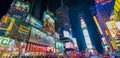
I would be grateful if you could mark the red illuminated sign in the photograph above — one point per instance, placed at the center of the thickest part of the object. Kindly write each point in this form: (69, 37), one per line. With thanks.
(103, 1)
(35, 48)
(50, 49)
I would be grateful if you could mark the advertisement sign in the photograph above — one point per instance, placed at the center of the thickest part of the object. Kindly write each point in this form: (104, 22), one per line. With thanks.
(59, 46)
(75, 42)
(35, 48)
(4, 41)
(48, 23)
(69, 45)
(66, 34)
(5, 24)
(19, 9)
(20, 30)
(50, 49)
(118, 24)
(40, 37)
(113, 44)
(102, 1)
(3, 21)
(112, 27)
(34, 22)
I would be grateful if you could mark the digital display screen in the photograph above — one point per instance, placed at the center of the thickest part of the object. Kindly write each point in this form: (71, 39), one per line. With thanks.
(19, 8)
(40, 37)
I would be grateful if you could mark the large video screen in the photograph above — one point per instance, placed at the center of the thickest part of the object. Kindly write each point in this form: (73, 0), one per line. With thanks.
(19, 8)
(48, 23)
(40, 37)
(20, 29)
(34, 21)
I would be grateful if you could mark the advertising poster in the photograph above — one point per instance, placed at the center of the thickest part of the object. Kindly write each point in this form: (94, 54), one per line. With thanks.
(20, 30)
(102, 1)
(6, 24)
(5, 41)
(113, 29)
(19, 8)
(69, 45)
(35, 48)
(60, 46)
(34, 21)
(48, 24)
(40, 37)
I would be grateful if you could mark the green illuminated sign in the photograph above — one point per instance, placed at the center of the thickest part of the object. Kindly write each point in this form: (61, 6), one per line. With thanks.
(4, 41)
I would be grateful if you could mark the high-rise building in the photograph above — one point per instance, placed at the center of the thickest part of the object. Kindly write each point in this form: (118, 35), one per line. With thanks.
(103, 12)
(86, 35)
(101, 35)
(63, 27)
(63, 21)
(116, 25)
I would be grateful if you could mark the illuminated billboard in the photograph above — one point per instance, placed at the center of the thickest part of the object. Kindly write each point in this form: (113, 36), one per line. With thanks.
(75, 42)
(5, 41)
(40, 37)
(116, 10)
(48, 23)
(102, 1)
(6, 24)
(86, 34)
(118, 24)
(69, 45)
(66, 34)
(113, 29)
(34, 21)
(19, 9)
(59, 46)
(113, 44)
(30, 47)
(20, 30)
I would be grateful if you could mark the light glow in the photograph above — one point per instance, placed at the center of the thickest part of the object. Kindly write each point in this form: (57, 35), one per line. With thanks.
(86, 35)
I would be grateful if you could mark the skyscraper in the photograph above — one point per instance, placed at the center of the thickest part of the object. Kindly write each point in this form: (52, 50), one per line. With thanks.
(103, 12)
(63, 21)
(86, 35)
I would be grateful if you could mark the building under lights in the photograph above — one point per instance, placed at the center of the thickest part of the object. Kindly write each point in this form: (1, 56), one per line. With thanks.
(102, 15)
(86, 35)
(115, 17)
(116, 10)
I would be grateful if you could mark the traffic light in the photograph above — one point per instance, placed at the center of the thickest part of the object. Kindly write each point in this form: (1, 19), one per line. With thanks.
(4, 19)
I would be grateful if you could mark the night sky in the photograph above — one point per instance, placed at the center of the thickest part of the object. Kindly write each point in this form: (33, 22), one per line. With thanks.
(77, 8)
